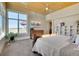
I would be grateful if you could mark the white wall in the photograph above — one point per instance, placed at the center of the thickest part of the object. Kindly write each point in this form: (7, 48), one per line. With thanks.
(71, 10)
(69, 15)
(40, 18)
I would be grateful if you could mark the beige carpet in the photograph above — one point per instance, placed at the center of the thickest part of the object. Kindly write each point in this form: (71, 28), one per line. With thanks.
(19, 48)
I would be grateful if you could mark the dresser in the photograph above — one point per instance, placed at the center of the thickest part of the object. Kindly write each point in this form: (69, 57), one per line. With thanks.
(36, 33)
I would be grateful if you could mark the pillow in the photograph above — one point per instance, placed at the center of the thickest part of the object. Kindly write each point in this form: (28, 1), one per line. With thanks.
(48, 35)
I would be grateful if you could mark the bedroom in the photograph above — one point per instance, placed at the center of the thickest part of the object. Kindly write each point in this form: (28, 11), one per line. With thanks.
(52, 26)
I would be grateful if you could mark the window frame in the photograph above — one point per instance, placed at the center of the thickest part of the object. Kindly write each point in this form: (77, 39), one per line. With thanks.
(16, 24)
(2, 14)
(1, 24)
(18, 20)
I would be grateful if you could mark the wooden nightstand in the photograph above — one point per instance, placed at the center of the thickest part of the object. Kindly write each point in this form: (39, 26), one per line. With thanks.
(36, 33)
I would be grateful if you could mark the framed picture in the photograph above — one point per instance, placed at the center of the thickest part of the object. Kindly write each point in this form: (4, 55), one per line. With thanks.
(35, 24)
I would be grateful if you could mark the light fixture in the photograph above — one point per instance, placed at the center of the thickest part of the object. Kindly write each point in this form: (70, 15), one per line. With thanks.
(47, 8)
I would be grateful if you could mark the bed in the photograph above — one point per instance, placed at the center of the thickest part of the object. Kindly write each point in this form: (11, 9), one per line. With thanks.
(71, 49)
(58, 45)
(51, 46)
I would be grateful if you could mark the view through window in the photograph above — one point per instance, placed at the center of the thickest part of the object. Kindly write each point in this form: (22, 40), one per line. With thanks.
(0, 24)
(1, 18)
(17, 22)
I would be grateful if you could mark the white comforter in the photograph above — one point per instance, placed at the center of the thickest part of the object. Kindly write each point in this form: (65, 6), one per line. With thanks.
(51, 46)
(70, 50)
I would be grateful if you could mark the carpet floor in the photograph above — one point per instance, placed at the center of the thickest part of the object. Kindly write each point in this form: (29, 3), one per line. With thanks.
(19, 48)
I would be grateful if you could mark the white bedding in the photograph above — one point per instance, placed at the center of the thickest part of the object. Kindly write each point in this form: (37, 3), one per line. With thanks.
(51, 46)
(70, 50)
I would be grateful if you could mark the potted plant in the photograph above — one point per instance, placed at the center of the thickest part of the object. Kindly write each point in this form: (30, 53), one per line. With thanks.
(10, 36)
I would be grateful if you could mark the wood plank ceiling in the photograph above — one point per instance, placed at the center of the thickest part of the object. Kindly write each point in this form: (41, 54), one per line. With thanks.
(39, 7)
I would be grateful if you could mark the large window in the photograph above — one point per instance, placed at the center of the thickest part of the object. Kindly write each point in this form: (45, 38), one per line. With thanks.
(12, 15)
(22, 26)
(1, 18)
(13, 26)
(17, 22)
(0, 24)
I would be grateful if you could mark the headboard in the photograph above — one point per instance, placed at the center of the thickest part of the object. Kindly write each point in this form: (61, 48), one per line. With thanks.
(66, 31)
